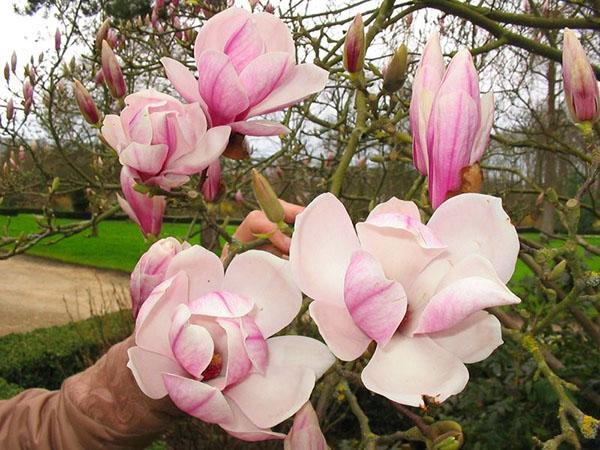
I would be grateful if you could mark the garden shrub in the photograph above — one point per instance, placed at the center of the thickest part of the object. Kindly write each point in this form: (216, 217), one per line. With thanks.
(8, 390)
(45, 357)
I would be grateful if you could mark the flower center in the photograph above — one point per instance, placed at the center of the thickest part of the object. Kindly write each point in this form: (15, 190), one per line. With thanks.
(214, 368)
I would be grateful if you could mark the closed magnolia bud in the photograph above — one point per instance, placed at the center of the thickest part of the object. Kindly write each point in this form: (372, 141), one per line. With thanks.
(112, 38)
(269, 8)
(395, 72)
(266, 198)
(27, 107)
(581, 88)
(102, 33)
(99, 77)
(32, 75)
(86, 103)
(558, 270)
(113, 76)
(55, 184)
(27, 90)
(13, 62)
(239, 197)
(10, 109)
(354, 46)
(57, 39)
(211, 188)
(7, 72)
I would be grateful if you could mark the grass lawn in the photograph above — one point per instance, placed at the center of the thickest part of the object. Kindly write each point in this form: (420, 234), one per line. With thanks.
(120, 244)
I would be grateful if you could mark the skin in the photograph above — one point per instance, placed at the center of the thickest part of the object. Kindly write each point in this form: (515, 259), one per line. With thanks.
(256, 223)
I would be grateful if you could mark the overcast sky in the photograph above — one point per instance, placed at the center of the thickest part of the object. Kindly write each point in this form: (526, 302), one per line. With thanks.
(26, 35)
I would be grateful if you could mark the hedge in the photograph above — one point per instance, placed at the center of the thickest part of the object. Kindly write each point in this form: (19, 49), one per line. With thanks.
(8, 390)
(46, 356)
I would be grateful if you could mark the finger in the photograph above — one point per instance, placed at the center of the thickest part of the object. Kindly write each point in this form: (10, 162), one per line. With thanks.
(290, 210)
(256, 223)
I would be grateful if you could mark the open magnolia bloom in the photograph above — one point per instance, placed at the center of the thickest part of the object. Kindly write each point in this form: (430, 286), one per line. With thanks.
(246, 67)
(419, 291)
(162, 141)
(204, 338)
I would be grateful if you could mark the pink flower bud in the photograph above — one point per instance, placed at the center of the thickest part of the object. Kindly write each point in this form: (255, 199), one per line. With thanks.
(154, 18)
(27, 107)
(269, 8)
(211, 188)
(112, 38)
(10, 109)
(13, 62)
(151, 270)
(32, 75)
(354, 46)
(456, 133)
(7, 72)
(99, 77)
(57, 39)
(581, 87)
(306, 432)
(102, 33)
(27, 90)
(425, 86)
(86, 103)
(113, 76)
(239, 197)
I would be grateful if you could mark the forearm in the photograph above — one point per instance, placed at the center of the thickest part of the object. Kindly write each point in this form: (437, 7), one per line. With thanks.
(100, 408)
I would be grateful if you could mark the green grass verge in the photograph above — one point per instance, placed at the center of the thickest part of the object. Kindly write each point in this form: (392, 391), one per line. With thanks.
(118, 246)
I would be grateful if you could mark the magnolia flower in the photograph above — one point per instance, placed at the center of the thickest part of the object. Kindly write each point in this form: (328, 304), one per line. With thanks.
(211, 188)
(152, 269)
(449, 119)
(306, 433)
(162, 141)
(144, 210)
(419, 291)
(581, 87)
(203, 337)
(246, 67)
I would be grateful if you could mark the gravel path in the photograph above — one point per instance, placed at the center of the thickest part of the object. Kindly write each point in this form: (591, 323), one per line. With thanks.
(36, 292)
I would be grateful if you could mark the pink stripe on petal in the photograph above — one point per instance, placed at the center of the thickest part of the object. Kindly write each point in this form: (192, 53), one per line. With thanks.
(220, 87)
(377, 305)
(264, 74)
(461, 299)
(255, 344)
(221, 304)
(197, 399)
(244, 46)
(451, 134)
(237, 362)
